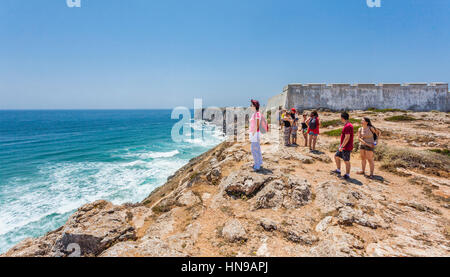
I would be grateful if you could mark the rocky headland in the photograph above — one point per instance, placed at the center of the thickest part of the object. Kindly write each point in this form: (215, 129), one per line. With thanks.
(217, 206)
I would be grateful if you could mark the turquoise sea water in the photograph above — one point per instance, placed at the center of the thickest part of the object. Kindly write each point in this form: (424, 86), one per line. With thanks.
(52, 162)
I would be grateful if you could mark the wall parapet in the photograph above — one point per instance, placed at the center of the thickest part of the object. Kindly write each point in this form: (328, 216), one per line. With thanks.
(360, 96)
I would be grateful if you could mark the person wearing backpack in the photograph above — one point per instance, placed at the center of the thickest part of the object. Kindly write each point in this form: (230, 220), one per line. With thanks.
(313, 130)
(368, 136)
(258, 124)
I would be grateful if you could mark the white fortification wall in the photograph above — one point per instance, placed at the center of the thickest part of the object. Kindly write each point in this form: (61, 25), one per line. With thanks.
(416, 97)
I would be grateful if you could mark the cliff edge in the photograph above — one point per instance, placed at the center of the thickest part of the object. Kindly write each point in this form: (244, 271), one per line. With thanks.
(217, 206)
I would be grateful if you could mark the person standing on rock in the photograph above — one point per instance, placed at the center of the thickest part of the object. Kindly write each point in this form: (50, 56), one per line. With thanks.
(287, 123)
(346, 146)
(305, 129)
(257, 122)
(367, 135)
(294, 127)
(313, 130)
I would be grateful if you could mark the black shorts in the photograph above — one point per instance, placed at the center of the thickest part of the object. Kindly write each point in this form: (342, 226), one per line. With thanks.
(367, 148)
(345, 155)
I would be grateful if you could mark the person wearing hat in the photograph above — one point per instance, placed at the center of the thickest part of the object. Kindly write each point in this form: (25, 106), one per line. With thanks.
(255, 135)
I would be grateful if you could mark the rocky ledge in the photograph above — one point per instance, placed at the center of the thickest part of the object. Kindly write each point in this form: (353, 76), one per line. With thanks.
(217, 206)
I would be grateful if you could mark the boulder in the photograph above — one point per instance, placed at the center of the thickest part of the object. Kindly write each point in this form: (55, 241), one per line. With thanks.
(188, 198)
(268, 224)
(245, 182)
(292, 194)
(233, 231)
(94, 228)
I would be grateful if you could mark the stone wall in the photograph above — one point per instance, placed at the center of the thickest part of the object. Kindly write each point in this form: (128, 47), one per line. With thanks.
(417, 97)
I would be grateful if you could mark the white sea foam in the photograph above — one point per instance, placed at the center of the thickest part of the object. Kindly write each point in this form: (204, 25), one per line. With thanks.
(42, 201)
(64, 187)
(156, 155)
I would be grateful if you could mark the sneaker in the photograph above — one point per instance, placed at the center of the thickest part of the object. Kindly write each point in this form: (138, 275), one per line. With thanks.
(346, 176)
(337, 172)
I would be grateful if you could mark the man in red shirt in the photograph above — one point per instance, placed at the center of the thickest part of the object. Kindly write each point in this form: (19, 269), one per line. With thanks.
(346, 146)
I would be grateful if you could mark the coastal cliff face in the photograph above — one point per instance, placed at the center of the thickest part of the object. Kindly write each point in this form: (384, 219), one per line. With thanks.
(217, 206)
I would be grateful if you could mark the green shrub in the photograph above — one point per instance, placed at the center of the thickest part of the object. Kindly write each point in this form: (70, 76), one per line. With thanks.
(329, 123)
(441, 151)
(397, 118)
(338, 132)
(384, 110)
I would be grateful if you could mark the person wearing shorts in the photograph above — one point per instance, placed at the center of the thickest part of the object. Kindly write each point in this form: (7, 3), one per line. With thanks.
(367, 135)
(313, 131)
(287, 123)
(345, 147)
(294, 127)
(305, 129)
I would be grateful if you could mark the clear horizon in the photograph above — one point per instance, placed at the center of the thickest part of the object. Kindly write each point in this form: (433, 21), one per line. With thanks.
(138, 54)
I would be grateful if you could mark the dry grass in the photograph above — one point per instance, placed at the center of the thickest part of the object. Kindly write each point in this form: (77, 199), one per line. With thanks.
(428, 162)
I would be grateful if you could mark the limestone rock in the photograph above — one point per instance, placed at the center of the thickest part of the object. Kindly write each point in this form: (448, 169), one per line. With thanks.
(233, 231)
(323, 224)
(245, 182)
(95, 227)
(188, 198)
(268, 224)
(291, 154)
(332, 195)
(146, 247)
(291, 195)
(299, 231)
(348, 216)
(214, 174)
(336, 243)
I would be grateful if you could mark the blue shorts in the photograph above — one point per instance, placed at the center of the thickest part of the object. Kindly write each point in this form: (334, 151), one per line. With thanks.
(312, 134)
(345, 155)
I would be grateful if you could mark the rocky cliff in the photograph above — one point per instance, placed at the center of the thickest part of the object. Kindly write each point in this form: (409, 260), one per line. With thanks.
(217, 206)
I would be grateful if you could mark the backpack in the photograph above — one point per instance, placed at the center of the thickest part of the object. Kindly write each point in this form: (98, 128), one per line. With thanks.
(263, 126)
(313, 123)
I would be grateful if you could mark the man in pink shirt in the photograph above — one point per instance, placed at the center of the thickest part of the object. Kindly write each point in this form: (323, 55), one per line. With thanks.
(346, 146)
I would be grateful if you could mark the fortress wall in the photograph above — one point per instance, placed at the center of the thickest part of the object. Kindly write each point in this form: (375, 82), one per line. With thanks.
(417, 97)
(279, 100)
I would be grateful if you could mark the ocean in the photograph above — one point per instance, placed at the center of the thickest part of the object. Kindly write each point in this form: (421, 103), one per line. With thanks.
(53, 162)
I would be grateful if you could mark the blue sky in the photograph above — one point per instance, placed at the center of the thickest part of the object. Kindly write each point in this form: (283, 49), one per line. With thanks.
(130, 54)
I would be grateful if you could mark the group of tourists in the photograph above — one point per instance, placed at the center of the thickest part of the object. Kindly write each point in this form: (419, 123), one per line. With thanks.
(310, 127)
(293, 121)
